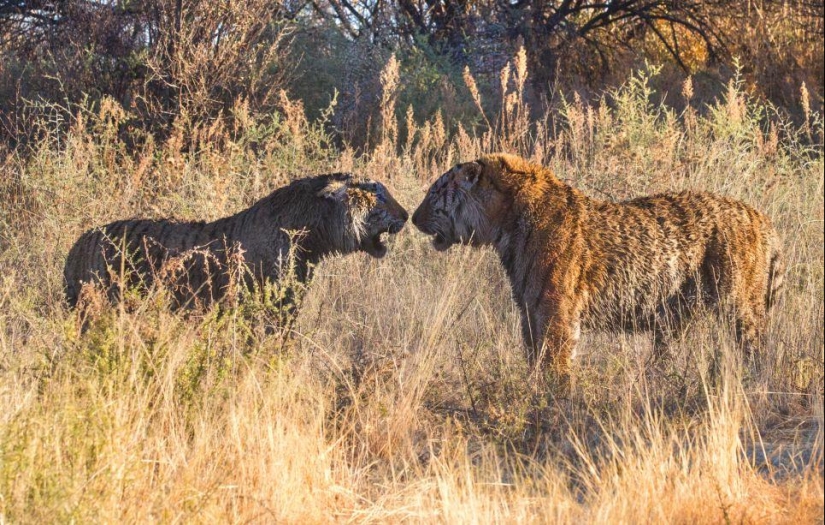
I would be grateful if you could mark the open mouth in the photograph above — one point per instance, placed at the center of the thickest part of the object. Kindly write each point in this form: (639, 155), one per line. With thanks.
(376, 245)
(440, 243)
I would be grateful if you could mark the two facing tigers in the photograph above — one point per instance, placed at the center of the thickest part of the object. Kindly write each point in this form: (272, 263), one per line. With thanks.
(572, 261)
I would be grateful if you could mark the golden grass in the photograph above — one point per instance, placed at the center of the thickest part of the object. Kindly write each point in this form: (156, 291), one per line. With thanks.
(402, 393)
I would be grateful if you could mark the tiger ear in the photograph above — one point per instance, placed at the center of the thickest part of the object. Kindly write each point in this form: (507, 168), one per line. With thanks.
(335, 190)
(470, 174)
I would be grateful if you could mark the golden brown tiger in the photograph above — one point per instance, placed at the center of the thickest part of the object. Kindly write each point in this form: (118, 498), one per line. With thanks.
(575, 261)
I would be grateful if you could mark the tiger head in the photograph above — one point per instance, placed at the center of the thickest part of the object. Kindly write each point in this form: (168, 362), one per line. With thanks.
(463, 206)
(371, 209)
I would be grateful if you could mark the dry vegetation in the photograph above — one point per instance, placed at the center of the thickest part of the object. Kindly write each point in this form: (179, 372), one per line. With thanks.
(401, 394)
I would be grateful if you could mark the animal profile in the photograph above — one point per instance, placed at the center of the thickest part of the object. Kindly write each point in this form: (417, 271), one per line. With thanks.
(574, 261)
(291, 229)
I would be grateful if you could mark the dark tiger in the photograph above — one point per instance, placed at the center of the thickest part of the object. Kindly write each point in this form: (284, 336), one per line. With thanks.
(291, 229)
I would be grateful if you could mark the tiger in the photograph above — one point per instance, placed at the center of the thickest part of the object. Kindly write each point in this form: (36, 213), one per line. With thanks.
(292, 229)
(576, 262)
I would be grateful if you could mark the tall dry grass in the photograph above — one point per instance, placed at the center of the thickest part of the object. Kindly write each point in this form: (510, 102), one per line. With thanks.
(402, 393)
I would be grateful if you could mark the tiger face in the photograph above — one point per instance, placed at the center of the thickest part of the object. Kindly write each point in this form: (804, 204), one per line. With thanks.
(462, 206)
(372, 210)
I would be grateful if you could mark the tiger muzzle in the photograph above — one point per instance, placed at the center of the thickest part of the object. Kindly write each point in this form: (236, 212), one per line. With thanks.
(418, 222)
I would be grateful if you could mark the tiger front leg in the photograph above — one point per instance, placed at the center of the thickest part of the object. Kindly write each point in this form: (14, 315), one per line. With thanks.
(551, 337)
(533, 337)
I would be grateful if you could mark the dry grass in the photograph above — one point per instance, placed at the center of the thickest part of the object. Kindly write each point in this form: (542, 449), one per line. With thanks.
(402, 393)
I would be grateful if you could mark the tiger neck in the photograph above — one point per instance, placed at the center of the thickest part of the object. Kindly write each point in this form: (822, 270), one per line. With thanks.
(316, 244)
(267, 231)
(510, 240)
(536, 231)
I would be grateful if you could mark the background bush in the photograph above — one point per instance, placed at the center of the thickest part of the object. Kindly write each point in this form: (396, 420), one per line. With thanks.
(176, 62)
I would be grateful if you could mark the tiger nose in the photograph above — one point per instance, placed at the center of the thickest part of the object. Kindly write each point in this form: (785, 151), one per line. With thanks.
(416, 217)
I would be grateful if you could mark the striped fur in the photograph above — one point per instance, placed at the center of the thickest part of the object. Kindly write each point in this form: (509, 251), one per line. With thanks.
(333, 214)
(573, 261)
